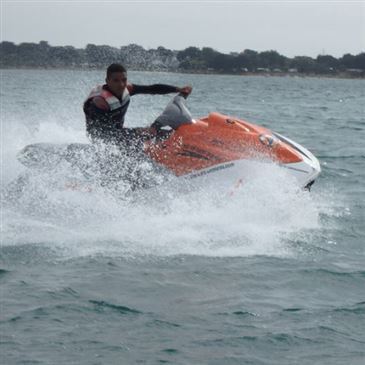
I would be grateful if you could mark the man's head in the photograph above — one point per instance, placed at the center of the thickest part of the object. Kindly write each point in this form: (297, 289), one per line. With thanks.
(116, 78)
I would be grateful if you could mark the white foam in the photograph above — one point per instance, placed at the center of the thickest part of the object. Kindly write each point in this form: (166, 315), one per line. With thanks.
(17, 135)
(253, 221)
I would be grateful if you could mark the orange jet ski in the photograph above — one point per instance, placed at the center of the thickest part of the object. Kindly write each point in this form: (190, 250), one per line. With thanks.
(216, 149)
(224, 145)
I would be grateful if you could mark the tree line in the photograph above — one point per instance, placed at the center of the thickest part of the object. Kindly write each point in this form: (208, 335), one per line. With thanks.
(191, 59)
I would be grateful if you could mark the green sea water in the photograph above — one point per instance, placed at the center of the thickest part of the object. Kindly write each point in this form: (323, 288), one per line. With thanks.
(270, 276)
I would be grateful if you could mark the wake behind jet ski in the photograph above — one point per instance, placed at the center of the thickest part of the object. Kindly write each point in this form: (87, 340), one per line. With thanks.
(216, 149)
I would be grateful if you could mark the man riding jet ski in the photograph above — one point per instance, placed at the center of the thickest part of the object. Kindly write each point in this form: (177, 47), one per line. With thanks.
(106, 106)
(217, 149)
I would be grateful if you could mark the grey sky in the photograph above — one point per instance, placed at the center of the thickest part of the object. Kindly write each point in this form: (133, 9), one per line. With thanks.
(290, 27)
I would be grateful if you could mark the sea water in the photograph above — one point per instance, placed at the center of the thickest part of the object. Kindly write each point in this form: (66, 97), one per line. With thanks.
(267, 275)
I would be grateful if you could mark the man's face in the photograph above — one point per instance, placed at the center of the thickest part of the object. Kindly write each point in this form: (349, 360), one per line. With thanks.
(117, 82)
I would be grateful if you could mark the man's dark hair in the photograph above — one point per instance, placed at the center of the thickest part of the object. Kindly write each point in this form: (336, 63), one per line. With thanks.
(115, 67)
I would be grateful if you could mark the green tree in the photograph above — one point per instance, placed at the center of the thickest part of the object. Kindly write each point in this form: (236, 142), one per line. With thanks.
(272, 59)
(304, 64)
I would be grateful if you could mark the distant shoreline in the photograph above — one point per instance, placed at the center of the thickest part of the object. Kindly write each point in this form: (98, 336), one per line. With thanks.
(339, 75)
(191, 60)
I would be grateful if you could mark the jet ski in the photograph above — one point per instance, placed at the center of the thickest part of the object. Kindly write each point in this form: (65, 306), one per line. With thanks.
(213, 149)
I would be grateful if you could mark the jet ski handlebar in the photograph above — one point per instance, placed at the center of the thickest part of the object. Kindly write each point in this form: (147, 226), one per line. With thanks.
(175, 114)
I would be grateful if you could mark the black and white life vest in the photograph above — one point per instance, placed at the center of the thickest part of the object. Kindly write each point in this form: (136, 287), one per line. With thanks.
(106, 121)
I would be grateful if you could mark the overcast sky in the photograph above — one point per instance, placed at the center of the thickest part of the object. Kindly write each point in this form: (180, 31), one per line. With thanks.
(290, 27)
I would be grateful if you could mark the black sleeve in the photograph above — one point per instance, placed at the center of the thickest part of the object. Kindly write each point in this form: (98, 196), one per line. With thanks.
(153, 89)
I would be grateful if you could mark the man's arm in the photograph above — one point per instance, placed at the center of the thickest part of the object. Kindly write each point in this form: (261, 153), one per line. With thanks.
(159, 89)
